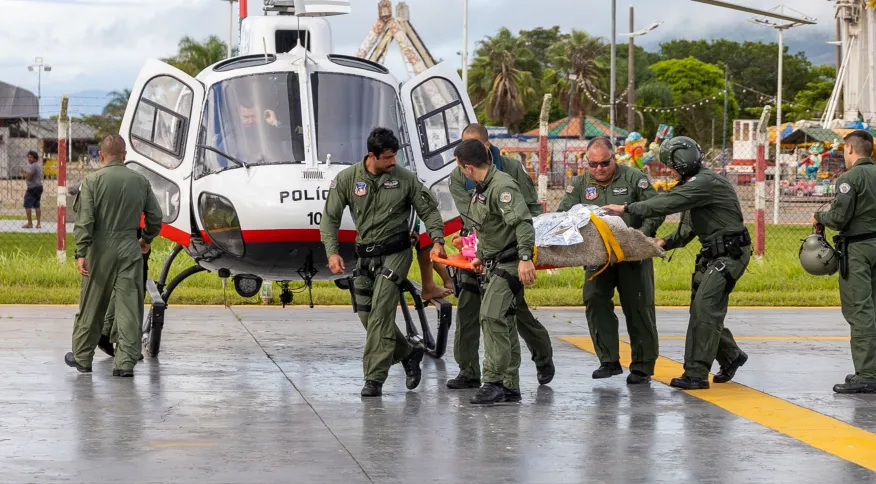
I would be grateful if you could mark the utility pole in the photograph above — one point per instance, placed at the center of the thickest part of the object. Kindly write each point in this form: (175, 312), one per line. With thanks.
(465, 45)
(613, 60)
(631, 90)
(726, 96)
(230, 24)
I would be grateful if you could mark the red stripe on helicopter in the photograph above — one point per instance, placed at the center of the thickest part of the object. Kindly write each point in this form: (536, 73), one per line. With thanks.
(450, 227)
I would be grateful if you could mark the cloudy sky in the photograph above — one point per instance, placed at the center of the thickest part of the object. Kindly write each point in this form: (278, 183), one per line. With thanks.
(95, 46)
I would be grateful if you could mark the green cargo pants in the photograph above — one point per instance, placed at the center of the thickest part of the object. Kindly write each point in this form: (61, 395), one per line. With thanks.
(116, 267)
(467, 336)
(109, 329)
(634, 281)
(499, 325)
(707, 339)
(377, 298)
(857, 297)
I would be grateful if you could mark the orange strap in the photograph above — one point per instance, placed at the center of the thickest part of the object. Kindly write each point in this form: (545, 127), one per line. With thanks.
(610, 242)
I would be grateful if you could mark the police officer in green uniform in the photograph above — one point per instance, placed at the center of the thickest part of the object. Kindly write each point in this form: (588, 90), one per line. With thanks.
(610, 183)
(109, 257)
(716, 218)
(467, 337)
(380, 195)
(853, 215)
(506, 239)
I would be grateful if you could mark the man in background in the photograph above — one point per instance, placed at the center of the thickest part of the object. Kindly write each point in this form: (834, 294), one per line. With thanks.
(33, 176)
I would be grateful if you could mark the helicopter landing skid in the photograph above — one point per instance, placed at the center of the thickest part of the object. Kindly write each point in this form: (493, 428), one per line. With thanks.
(434, 348)
(153, 323)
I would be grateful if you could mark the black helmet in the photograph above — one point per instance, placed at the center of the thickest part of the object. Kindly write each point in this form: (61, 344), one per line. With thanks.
(682, 154)
(817, 256)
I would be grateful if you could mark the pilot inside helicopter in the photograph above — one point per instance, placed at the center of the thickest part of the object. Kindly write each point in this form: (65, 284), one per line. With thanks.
(253, 120)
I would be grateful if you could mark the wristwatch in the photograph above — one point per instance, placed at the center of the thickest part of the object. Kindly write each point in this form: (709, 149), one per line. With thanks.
(439, 240)
(626, 207)
(524, 257)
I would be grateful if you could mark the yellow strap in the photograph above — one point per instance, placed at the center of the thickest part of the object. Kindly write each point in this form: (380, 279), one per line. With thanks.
(611, 243)
(535, 251)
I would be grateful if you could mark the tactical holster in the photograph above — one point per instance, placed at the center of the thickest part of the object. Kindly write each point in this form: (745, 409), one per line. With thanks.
(369, 263)
(508, 254)
(730, 244)
(841, 245)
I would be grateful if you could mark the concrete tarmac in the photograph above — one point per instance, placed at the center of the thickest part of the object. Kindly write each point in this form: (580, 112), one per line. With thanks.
(265, 395)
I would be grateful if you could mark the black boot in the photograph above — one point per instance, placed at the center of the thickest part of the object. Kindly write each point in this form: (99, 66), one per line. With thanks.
(545, 373)
(106, 345)
(636, 377)
(855, 385)
(412, 367)
(512, 395)
(689, 383)
(461, 382)
(726, 374)
(71, 362)
(372, 389)
(850, 377)
(125, 373)
(491, 392)
(606, 370)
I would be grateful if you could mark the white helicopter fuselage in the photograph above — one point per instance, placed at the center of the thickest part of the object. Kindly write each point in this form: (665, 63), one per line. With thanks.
(242, 156)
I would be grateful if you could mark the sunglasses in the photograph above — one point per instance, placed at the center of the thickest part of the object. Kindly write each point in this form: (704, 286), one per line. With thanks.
(595, 164)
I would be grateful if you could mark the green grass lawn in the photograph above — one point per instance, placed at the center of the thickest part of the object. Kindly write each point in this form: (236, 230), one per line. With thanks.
(31, 274)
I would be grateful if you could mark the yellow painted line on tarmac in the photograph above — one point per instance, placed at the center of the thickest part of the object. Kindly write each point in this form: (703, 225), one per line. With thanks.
(762, 338)
(808, 426)
(164, 444)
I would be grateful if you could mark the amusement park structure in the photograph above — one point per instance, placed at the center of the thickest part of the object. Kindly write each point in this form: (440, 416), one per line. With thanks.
(856, 22)
(388, 28)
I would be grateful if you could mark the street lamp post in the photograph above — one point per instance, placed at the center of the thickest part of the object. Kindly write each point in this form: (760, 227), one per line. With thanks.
(465, 45)
(40, 67)
(612, 80)
(631, 88)
(776, 175)
(230, 24)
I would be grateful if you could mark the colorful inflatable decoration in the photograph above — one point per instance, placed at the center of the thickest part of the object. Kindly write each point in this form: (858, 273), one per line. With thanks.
(813, 161)
(634, 149)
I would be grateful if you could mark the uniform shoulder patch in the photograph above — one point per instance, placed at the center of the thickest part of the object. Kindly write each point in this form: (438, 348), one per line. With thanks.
(570, 189)
(844, 188)
(333, 184)
(505, 197)
(692, 178)
(643, 183)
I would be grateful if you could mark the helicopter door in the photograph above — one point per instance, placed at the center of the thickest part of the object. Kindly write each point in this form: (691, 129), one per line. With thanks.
(437, 109)
(164, 105)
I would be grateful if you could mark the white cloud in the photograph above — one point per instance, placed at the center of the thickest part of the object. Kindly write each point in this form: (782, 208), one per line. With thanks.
(100, 44)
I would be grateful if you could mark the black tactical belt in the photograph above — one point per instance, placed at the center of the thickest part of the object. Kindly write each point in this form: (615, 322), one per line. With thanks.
(392, 245)
(730, 244)
(513, 282)
(841, 243)
(506, 255)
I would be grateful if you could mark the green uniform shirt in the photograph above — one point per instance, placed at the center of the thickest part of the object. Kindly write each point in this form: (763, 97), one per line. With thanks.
(501, 216)
(110, 202)
(712, 202)
(462, 196)
(853, 211)
(380, 205)
(628, 185)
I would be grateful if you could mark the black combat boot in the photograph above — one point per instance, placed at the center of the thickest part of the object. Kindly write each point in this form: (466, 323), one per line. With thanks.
(855, 385)
(545, 373)
(850, 377)
(636, 377)
(690, 383)
(412, 367)
(726, 373)
(125, 373)
(461, 382)
(106, 345)
(491, 392)
(71, 362)
(372, 389)
(512, 394)
(606, 370)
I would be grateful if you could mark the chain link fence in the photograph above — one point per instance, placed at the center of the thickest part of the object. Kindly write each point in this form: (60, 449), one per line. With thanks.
(18, 137)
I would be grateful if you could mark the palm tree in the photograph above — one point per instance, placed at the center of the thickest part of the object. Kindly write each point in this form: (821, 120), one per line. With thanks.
(115, 108)
(501, 80)
(576, 55)
(193, 56)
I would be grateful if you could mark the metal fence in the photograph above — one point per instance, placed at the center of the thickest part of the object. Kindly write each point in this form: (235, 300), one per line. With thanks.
(17, 138)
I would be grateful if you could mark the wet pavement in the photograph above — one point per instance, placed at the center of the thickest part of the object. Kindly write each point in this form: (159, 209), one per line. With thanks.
(264, 394)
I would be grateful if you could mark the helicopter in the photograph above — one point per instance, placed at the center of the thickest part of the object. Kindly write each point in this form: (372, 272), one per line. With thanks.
(241, 156)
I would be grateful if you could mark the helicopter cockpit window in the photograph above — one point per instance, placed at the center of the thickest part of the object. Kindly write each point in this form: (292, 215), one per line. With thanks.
(441, 117)
(346, 108)
(160, 122)
(251, 120)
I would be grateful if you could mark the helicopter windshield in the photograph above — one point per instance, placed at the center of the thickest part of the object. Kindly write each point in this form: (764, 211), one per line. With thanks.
(346, 108)
(255, 119)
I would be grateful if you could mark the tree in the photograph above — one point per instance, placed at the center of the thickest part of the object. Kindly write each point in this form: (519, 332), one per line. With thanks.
(193, 56)
(576, 55)
(810, 102)
(690, 80)
(501, 79)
